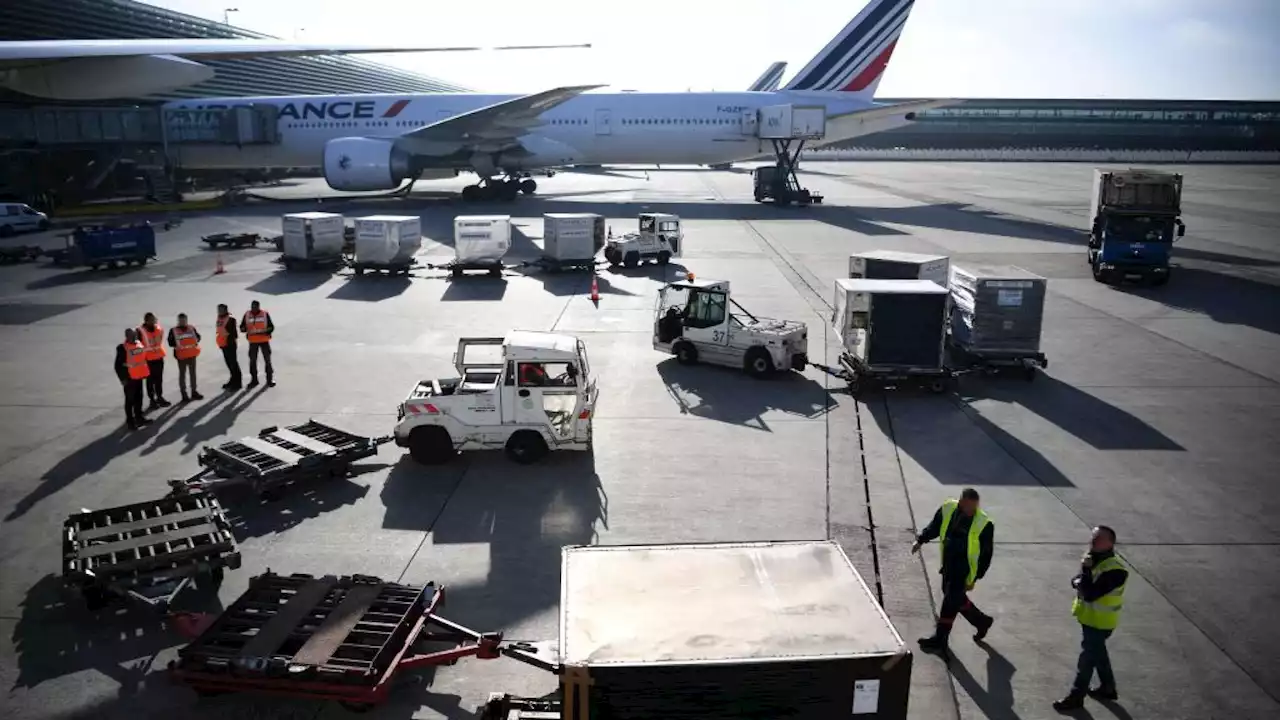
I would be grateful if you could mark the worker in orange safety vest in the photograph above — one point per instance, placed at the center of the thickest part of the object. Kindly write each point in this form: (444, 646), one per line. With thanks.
(185, 341)
(131, 368)
(151, 335)
(258, 328)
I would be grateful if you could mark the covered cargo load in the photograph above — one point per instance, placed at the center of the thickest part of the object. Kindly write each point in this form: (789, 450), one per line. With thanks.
(894, 265)
(1144, 192)
(572, 237)
(787, 122)
(313, 235)
(481, 239)
(891, 324)
(720, 631)
(387, 239)
(996, 308)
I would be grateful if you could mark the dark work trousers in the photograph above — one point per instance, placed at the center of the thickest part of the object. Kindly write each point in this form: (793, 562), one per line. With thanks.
(1093, 656)
(185, 368)
(133, 401)
(155, 381)
(955, 601)
(233, 364)
(254, 349)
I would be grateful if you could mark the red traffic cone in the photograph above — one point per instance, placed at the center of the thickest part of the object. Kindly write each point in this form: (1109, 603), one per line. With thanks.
(219, 269)
(595, 289)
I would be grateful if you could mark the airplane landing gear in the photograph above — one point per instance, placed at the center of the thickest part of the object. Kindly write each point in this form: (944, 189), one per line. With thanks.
(503, 189)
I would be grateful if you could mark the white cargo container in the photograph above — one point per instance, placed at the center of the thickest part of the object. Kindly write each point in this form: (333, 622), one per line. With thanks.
(572, 238)
(789, 122)
(895, 265)
(480, 242)
(387, 241)
(313, 236)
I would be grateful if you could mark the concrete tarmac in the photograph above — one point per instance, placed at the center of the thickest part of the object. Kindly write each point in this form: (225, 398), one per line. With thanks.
(1158, 415)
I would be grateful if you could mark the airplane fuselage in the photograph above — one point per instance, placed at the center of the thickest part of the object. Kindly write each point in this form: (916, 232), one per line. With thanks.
(601, 128)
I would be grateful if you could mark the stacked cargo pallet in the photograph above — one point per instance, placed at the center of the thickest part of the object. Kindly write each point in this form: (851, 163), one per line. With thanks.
(996, 311)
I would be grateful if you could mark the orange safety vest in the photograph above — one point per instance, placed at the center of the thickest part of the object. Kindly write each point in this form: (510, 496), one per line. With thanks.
(256, 326)
(222, 330)
(186, 345)
(135, 360)
(154, 341)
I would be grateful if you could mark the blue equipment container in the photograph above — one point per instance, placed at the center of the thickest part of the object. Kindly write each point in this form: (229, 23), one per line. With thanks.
(96, 246)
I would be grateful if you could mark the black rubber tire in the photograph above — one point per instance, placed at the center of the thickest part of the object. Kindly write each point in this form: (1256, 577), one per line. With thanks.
(526, 447)
(686, 353)
(758, 364)
(528, 186)
(631, 260)
(471, 193)
(1029, 374)
(455, 272)
(508, 192)
(1160, 280)
(664, 257)
(431, 445)
(44, 225)
(359, 270)
(495, 272)
(937, 385)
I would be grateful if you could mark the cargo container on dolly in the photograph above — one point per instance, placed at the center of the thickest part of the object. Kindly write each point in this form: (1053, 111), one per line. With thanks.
(312, 240)
(892, 333)
(386, 243)
(480, 242)
(571, 241)
(995, 320)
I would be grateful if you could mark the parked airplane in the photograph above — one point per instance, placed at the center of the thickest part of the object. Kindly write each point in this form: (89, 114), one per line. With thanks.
(105, 69)
(768, 81)
(377, 142)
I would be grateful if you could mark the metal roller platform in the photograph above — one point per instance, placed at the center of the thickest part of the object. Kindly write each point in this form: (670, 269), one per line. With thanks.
(325, 638)
(279, 456)
(147, 551)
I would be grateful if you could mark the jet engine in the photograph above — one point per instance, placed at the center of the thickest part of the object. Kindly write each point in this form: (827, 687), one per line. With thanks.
(357, 164)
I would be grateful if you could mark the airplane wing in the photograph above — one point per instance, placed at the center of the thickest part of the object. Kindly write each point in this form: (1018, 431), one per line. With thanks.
(878, 118)
(34, 52)
(499, 123)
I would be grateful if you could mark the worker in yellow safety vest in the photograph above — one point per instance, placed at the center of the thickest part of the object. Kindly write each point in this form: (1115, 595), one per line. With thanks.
(968, 539)
(131, 368)
(1099, 599)
(185, 341)
(258, 328)
(151, 335)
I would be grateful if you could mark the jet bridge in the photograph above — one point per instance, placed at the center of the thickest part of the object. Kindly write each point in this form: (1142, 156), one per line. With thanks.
(240, 125)
(787, 128)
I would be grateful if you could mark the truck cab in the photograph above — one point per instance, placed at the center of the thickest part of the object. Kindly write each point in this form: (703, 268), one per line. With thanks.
(527, 393)
(660, 238)
(1136, 220)
(697, 321)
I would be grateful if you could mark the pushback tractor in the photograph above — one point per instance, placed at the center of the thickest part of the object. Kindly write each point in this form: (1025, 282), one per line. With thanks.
(697, 321)
(527, 393)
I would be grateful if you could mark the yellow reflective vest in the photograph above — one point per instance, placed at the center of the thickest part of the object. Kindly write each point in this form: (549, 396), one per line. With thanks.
(1103, 613)
(974, 551)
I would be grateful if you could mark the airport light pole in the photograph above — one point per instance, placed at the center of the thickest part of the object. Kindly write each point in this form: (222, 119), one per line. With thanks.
(226, 15)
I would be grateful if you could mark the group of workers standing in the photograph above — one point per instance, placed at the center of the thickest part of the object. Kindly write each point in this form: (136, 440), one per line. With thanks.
(139, 361)
(967, 537)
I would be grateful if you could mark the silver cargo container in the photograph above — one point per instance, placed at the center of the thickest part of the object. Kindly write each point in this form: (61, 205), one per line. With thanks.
(996, 309)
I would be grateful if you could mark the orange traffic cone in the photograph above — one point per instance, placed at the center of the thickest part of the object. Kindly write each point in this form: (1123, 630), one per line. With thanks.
(219, 269)
(689, 276)
(595, 289)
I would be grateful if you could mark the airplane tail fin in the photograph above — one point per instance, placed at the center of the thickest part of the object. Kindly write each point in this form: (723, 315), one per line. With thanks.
(768, 82)
(855, 59)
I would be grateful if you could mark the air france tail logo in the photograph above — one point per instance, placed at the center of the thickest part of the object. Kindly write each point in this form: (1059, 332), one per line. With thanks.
(857, 57)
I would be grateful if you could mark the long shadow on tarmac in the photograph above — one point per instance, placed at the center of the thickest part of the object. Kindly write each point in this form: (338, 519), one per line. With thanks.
(285, 282)
(729, 396)
(253, 516)
(91, 458)
(1227, 299)
(374, 287)
(475, 288)
(524, 514)
(205, 424)
(996, 700)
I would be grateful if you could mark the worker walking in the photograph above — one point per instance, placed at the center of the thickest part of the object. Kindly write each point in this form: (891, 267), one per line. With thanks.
(257, 327)
(968, 537)
(226, 339)
(151, 335)
(1099, 597)
(185, 341)
(131, 368)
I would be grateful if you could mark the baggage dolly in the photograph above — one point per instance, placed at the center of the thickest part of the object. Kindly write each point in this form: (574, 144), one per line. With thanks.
(326, 638)
(280, 456)
(862, 377)
(403, 268)
(996, 362)
(147, 551)
(232, 240)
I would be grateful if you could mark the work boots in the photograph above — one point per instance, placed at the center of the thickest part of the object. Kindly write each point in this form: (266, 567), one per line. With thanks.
(982, 624)
(938, 643)
(1104, 693)
(1073, 701)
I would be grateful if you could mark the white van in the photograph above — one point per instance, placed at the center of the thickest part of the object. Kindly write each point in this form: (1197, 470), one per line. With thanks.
(16, 217)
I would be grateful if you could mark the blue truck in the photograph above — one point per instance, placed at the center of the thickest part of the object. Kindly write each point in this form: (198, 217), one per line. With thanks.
(1136, 218)
(96, 246)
